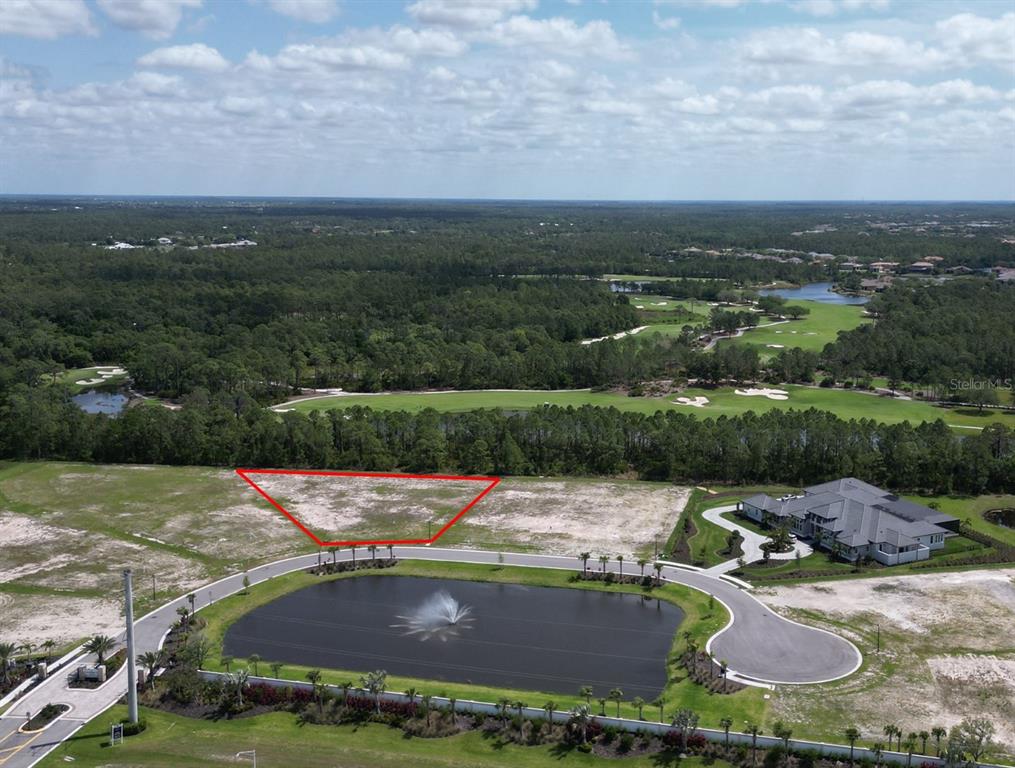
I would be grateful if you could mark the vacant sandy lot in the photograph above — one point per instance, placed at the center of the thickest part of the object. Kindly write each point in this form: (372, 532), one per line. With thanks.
(947, 650)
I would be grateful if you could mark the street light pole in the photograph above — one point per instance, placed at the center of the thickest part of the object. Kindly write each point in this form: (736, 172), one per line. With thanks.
(128, 597)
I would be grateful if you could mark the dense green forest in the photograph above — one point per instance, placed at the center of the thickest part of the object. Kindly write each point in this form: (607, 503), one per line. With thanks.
(372, 296)
(792, 447)
(934, 334)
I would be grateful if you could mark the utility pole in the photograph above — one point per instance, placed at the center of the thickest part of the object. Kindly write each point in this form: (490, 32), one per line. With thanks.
(153, 587)
(879, 638)
(128, 597)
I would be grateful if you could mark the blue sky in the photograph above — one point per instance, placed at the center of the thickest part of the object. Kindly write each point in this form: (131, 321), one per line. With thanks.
(672, 99)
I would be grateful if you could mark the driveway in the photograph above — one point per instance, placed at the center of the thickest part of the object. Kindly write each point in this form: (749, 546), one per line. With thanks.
(751, 544)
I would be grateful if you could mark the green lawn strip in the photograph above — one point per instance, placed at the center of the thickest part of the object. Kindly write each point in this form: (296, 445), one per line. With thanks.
(710, 539)
(71, 377)
(171, 741)
(723, 401)
(701, 620)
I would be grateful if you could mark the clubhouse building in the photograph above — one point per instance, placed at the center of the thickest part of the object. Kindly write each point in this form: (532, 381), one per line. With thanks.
(855, 520)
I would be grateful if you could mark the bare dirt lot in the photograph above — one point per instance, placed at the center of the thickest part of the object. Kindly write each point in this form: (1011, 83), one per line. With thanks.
(948, 650)
(67, 530)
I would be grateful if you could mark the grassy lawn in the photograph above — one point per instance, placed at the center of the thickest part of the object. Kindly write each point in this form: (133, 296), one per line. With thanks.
(722, 402)
(811, 333)
(177, 742)
(709, 540)
(972, 508)
(701, 620)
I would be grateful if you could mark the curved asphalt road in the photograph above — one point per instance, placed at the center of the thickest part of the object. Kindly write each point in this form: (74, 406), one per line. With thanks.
(756, 644)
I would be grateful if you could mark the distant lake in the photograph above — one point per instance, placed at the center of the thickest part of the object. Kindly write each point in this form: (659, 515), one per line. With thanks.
(815, 292)
(94, 401)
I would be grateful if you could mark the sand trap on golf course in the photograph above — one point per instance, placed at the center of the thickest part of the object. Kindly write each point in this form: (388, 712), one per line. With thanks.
(776, 346)
(88, 382)
(771, 394)
(697, 402)
(620, 335)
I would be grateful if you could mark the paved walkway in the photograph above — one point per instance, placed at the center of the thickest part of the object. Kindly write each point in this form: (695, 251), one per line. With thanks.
(751, 544)
(757, 643)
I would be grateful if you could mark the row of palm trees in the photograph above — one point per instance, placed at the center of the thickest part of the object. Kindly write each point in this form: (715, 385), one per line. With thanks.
(604, 560)
(10, 651)
(372, 549)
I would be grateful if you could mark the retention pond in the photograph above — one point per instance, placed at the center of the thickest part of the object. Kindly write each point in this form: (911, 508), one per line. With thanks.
(500, 635)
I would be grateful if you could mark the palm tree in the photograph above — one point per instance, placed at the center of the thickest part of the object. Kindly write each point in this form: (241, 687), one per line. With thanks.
(642, 562)
(851, 734)
(910, 748)
(503, 704)
(334, 555)
(276, 668)
(660, 702)
(184, 615)
(755, 731)
(373, 552)
(451, 707)
(639, 702)
(602, 707)
(890, 730)
(345, 685)
(877, 749)
(375, 683)
(226, 661)
(48, 647)
(239, 681)
(620, 559)
(100, 645)
(427, 701)
(584, 557)
(603, 560)
(411, 693)
(686, 720)
(616, 695)
(391, 552)
(692, 650)
(726, 723)
(28, 646)
(923, 736)
(548, 708)
(782, 731)
(938, 733)
(253, 660)
(723, 669)
(519, 705)
(586, 693)
(6, 658)
(659, 573)
(581, 716)
(150, 660)
(314, 678)
(352, 548)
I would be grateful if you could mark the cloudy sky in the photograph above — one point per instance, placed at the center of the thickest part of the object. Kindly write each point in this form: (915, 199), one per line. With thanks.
(674, 99)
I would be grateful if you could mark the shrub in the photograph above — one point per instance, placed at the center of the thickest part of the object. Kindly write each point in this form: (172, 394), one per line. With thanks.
(626, 742)
(133, 729)
(774, 757)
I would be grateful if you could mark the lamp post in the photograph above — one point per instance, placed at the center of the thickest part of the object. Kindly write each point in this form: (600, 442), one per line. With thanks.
(128, 598)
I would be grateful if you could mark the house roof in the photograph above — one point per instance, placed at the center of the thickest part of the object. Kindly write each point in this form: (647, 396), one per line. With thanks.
(858, 513)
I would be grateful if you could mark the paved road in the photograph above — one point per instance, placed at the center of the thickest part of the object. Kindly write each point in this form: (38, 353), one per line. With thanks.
(751, 544)
(757, 644)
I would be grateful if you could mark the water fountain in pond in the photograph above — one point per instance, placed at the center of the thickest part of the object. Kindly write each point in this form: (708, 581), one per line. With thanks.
(440, 616)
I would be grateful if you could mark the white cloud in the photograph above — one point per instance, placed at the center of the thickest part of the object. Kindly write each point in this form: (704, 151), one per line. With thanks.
(195, 56)
(45, 19)
(155, 84)
(243, 105)
(154, 18)
(466, 14)
(975, 39)
(313, 11)
(425, 42)
(665, 22)
(307, 57)
(560, 36)
(832, 7)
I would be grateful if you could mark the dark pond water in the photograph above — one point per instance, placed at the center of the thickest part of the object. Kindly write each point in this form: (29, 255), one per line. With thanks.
(95, 401)
(530, 638)
(815, 292)
(1003, 517)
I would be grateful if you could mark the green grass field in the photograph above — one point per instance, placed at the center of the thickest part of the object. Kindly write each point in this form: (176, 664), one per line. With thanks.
(700, 619)
(971, 508)
(71, 377)
(811, 333)
(280, 740)
(722, 402)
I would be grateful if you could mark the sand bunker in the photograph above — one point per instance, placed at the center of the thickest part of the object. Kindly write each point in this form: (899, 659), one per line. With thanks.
(88, 382)
(771, 394)
(615, 336)
(697, 402)
(775, 346)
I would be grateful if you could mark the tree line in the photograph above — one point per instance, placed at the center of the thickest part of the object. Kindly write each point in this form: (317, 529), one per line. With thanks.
(786, 447)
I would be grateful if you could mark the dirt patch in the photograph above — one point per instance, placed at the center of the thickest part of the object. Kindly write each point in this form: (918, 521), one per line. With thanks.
(38, 618)
(946, 650)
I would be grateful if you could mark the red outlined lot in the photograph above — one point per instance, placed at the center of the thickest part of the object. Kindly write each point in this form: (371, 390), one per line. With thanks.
(488, 485)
